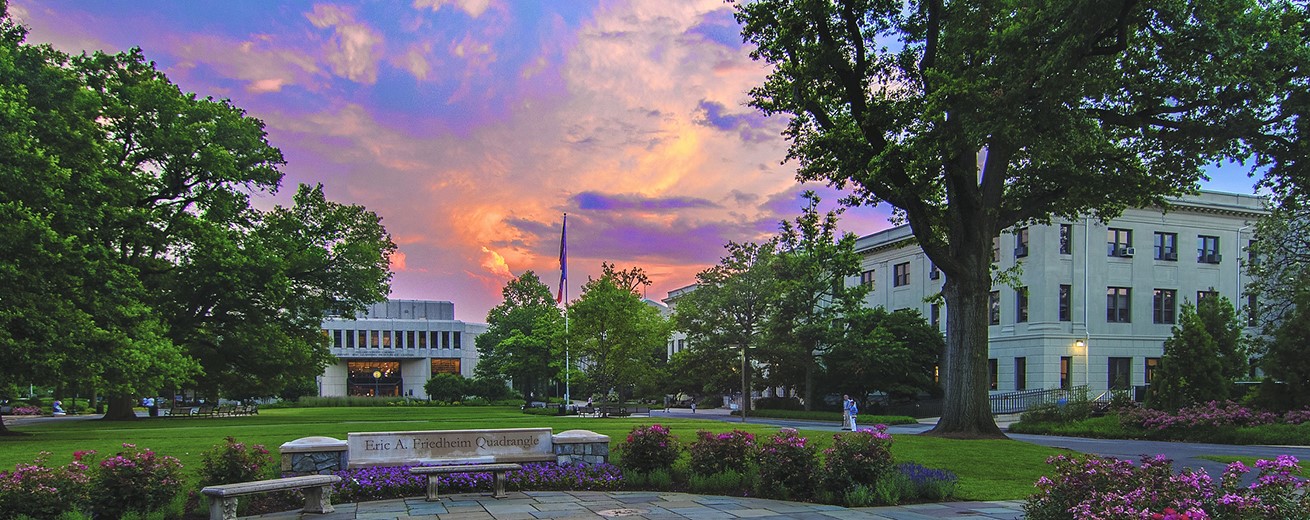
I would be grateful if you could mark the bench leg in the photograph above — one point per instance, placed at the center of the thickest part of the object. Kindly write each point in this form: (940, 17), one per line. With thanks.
(432, 489)
(222, 508)
(499, 477)
(318, 499)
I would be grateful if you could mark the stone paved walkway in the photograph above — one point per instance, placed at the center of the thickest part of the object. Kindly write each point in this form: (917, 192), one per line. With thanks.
(642, 505)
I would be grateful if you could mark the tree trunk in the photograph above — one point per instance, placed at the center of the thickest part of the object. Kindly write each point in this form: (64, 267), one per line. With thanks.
(120, 409)
(809, 385)
(966, 412)
(746, 385)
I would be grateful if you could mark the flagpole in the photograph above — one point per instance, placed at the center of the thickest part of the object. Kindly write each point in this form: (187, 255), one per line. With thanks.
(564, 296)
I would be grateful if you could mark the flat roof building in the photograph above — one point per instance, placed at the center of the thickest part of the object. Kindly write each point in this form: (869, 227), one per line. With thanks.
(394, 347)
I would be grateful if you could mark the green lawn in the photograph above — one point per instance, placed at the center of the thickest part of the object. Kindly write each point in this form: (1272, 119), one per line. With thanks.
(988, 470)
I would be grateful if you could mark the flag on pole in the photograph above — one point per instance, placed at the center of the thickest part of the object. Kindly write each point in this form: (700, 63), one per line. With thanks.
(563, 259)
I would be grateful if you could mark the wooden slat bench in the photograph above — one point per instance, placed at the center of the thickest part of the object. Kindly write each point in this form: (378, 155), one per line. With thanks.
(497, 470)
(317, 489)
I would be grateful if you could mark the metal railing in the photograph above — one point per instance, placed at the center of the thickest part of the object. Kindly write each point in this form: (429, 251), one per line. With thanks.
(1017, 402)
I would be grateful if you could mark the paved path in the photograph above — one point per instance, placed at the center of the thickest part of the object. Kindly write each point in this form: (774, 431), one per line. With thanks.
(643, 504)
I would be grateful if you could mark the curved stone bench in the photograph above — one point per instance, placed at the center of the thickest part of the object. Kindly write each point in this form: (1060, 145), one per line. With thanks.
(317, 489)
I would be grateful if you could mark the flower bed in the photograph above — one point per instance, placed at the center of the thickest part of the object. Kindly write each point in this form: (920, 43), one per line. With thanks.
(380, 483)
(1091, 487)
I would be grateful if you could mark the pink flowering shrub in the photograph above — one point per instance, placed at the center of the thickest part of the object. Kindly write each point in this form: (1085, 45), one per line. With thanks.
(37, 490)
(858, 458)
(649, 448)
(135, 480)
(1297, 416)
(1212, 415)
(1111, 489)
(788, 467)
(26, 410)
(233, 462)
(715, 452)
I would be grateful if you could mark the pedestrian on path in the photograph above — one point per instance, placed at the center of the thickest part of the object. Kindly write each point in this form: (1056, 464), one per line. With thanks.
(850, 411)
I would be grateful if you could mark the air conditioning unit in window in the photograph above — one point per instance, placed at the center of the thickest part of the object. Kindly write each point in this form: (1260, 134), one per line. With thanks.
(1126, 251)
(1171, 255)
(934, 274)
(1213, 259)
(1021, 251)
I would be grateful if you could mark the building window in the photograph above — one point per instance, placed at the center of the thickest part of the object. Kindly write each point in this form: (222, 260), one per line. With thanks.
(1021, 304)
(375, 338)
(445, 366)
(422, 339)
(994, 306)
(1152, 363)
(350, 339)
(992, 372)
(1252, 310)
(1066, 303)
(1020, 373)
(996, 249)
(1021, 242)
(1066, 368)
(1066, 239)
(409, 339)
(1117, 309)
(1207, 249)
(866, 278)
(458, 343)
(1201, 295)
(1164, 306)
(935, 316)
(1120, 373)
(1119, 242)
(933, 272)
(1166, 246)
(901, 274)
(373, 378)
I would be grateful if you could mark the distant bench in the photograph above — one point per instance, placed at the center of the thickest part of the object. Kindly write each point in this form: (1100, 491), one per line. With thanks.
(317, 489)
(497, 470)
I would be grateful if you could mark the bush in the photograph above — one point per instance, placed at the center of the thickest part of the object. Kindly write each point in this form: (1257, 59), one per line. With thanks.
(717, 452)
(778, 403)
(1063, 411)
(726, 482)
(234, 462)
(649, 448)
(39, 491)
(135, 480)
(788, 467)
(26, 410)
(858, 458)
(933, 485)
(1095, 487)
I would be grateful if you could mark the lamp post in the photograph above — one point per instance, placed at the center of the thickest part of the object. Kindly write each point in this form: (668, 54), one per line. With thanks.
(377, 383)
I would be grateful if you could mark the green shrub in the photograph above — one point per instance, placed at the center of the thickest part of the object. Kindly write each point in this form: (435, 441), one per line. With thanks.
(135, 480)
(858, 458)
(893, 488)
(649, 448)
(861, 496)
(233, 462)
(788, 467)
(726, 482)
(716, 452)
(660, 479)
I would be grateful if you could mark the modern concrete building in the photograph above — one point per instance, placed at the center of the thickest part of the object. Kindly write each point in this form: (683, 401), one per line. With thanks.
(394, 347)
(1094, 301)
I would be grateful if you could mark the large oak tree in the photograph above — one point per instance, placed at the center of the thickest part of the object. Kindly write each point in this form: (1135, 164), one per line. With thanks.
(971, 117)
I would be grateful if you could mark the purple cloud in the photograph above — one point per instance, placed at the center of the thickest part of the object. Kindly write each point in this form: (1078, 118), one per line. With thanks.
(591, 200)
(752, 125)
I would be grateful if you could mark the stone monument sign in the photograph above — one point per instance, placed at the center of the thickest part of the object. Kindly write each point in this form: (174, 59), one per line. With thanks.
(438, 446)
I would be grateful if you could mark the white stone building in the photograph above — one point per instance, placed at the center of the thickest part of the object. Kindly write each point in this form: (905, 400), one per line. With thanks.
(394, 347)
(1095, 301)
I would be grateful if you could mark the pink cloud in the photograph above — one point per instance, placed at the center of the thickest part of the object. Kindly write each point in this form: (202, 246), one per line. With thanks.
(474, 8)
(353, 50)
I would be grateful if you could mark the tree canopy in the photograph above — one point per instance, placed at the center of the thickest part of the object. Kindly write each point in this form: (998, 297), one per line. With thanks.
(618, 337)
(142, 263)
(524, 338)
(970, 118)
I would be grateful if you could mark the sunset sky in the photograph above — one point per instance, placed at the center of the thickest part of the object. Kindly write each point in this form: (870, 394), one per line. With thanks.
(472, 126)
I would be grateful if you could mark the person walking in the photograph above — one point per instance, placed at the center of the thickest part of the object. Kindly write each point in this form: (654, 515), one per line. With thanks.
(849, 411)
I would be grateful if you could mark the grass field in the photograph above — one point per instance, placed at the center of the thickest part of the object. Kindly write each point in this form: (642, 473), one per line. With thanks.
(988, 470)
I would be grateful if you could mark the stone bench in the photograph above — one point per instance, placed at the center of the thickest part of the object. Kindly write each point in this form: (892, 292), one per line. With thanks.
(497, 470)
(317, 489)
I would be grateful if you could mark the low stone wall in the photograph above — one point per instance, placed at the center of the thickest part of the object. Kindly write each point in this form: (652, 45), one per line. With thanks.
(580, 447)
(324, 455)
(314, 456)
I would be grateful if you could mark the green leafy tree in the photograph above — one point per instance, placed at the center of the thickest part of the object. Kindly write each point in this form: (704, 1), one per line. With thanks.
(725, 318)
(447, 388)
(699, 370)
(894, 352)
(1283, 357)
(523, 334)
(1279, 282)
(970, 118)
(160, 272)
(1192, 369)
(811, 268)
(619, 339)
